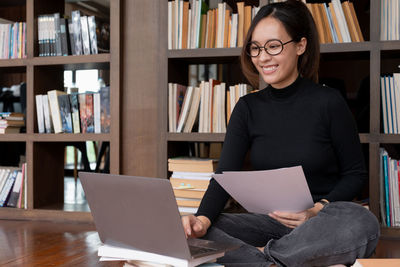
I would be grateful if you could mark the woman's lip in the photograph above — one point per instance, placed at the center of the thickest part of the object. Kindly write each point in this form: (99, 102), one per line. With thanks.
(269, 69)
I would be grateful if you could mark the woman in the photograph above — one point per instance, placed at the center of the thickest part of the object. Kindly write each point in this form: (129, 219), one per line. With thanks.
(293, 121)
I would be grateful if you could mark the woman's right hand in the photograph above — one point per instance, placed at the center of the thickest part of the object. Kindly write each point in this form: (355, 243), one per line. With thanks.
(195, 226)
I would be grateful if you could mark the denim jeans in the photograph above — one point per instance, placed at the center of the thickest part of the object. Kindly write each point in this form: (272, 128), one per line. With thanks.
(340, 233)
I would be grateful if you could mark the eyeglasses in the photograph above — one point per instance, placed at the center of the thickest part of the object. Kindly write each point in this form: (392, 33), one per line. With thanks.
(272, 47)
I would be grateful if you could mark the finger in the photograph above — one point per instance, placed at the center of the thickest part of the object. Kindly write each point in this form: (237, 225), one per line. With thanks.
(287, 222)
(186, 226)
(290, 215)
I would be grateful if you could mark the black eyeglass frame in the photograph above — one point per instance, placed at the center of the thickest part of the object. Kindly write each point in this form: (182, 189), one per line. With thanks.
(266, 50)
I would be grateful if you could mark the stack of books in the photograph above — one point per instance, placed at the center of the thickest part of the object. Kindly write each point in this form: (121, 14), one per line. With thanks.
(11, 122)
(58, 36)
(13, 39)
(390, 96)
(60, 112)
(206, 108)
(390, 16)
(13, 187)
(389, 190)
(190, 178)
(336, 22)
(197, 26)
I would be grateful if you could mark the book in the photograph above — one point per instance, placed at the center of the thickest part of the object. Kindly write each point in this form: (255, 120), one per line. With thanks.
(194, 110)
(76, 123)
(64, 36)
(376, 263)
(109, 252)
(6, 190)
(46, 112)
(89, 115)
(77, 32)
(3, 178)
(105, 115)
(57, 34)
(55, 109)
(65, 113)
(183, 192)
(350, 22)
(189, 183)
(96, 113)
(335, 23)
(71, 36)
(92, 34)
(16, 190)
(40, 113)
(85, 35)
(241, 34)
(82, 112)
(185, 109)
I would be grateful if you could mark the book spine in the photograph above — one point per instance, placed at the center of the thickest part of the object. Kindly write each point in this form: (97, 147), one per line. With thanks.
(5, 193)
(96, 109)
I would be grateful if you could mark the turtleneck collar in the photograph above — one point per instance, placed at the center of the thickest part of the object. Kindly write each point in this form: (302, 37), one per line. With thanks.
(286, 92)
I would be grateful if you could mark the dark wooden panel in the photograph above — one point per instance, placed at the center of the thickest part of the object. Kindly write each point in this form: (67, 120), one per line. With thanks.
(48, 173)
(13, 10)
(144, 84)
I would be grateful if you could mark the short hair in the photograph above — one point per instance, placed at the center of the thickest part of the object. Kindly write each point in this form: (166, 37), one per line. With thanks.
(299, 23)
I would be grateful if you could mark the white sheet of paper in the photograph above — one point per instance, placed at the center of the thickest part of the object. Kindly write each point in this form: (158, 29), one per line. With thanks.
(267, 191)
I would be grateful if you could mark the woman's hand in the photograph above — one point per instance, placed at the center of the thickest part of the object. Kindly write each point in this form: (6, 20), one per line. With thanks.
(292, 220)
(195, 226)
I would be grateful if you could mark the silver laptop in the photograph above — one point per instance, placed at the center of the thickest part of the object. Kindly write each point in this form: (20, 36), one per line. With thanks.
(141, 213)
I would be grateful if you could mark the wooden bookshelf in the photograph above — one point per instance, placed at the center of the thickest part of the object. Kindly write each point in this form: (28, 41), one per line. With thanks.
(367, 55)
(45, 152)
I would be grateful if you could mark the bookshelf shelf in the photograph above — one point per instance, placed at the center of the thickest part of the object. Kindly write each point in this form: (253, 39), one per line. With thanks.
(196, 137)
(13, 137)
(70, 60)
(390, 45)
(219, 137)
(205, 53)
(389, 138)
(13, 62)
(44, 214)
(346, 47)
(65, 137)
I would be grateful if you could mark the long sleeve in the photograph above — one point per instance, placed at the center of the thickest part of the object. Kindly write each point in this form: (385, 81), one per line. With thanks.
(346, 144)
(234, 150)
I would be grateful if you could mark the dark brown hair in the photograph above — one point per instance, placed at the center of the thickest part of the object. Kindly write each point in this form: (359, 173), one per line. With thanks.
(298, 22)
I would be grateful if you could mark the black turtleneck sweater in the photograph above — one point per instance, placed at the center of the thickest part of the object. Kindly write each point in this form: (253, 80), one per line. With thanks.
(303, 124)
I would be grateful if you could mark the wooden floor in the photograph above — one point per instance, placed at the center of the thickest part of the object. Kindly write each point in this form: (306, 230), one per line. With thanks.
(29, 243)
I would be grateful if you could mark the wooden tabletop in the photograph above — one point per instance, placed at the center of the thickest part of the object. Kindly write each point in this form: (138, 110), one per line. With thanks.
(27, 243)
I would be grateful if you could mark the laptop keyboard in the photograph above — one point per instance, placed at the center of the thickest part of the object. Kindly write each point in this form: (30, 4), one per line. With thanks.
(199, 250)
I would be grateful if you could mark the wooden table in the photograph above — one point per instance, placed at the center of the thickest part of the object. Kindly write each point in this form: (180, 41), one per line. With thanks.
(27, 243)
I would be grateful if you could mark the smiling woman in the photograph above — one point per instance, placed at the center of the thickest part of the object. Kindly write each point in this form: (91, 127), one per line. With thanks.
(293, 121)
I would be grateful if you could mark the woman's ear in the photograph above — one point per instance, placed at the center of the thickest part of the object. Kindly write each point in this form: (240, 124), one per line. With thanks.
(301, 46)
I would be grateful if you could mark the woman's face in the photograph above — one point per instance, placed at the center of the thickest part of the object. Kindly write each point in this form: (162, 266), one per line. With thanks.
(280, 70)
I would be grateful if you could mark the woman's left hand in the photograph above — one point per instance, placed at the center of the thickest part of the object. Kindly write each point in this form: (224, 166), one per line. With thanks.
(292, 220)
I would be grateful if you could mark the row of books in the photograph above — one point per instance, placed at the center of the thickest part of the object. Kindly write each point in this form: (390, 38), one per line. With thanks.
(59, 36)
(11, 122)
(390, 17)
(190, 178)
(197, 26)
(13, 40)
(390, 97)
(13, 187)
(389, 190)
(60, 112)
(336, 22)
(210, 105)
